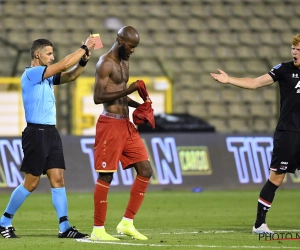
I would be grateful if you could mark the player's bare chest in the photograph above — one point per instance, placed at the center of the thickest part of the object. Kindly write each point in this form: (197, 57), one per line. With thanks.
(121, 72)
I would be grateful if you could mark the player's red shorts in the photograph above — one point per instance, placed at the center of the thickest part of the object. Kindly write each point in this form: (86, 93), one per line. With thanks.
(116, 140)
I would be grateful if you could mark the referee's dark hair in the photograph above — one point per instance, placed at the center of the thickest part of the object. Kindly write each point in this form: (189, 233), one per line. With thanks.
(38, 45)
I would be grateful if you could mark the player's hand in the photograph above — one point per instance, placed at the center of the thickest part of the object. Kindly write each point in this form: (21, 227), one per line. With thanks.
(222, 77)
(90, 42)
(135, 85)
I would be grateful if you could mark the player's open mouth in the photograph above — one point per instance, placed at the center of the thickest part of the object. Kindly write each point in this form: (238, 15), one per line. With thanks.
(295, 59)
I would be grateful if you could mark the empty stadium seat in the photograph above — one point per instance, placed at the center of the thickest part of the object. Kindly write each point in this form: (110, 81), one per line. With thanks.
(245, 52)
(181, 52)
(210, 96)
(201, 52)
(14, 24)
(173, 65)
(197, 109)
(185, 38)
(220, 124)
(220, 10)
(258, 25)
(12, 9)
(194, 24)
(174, 24)
(188, 96)
(251, 96)
(266, 51)
(228, 38)
(233, 66)
(256, 66)
(211, 65)
(278, 24)
(150, 67)
(230, 95)
(258, 110)
(207, 38)
(262, 10)
(179, 10)
(270, 95)
(157, 10)
(249, 38)
(238, 125)
(238, 110)
(270, 38)
(283, 10)
(237, 24)
(94, 9)
(216, 25)
(199, 10)
(187, 80)
(225, 52)
(217, 110)
(260, 125)
(53, 9)
(163, 38)
(190, 65)
(240, 10)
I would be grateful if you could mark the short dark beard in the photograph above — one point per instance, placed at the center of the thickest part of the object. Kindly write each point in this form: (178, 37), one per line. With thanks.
(122, 52)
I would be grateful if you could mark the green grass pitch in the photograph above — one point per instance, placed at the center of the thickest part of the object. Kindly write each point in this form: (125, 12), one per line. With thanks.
(170, 219)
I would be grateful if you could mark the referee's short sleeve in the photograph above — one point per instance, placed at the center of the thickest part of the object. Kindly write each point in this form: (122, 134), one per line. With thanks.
(36, 74)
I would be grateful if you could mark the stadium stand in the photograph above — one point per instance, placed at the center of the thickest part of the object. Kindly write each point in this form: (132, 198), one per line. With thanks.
(190, 38)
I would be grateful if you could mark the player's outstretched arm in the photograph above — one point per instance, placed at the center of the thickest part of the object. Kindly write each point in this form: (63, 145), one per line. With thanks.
(248, 83)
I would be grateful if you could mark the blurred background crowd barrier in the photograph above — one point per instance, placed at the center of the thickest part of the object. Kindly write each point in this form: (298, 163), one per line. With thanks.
(182, 41)
(180, 161)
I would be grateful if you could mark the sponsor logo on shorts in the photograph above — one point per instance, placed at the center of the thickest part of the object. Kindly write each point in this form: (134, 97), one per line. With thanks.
(283, 165)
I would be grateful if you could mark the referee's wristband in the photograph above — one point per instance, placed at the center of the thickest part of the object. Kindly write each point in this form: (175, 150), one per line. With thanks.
(86, 49)
(82, 63)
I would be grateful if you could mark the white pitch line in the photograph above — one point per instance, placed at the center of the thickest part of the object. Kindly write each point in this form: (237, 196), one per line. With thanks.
(198, 246)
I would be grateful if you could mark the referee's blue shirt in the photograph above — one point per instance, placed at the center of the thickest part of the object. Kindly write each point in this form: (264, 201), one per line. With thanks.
(38, 96)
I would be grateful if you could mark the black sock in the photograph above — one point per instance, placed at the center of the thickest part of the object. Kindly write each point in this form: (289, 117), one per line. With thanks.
(265, 200)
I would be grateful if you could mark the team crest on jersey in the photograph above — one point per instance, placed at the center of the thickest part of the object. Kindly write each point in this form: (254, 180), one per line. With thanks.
(277, 66)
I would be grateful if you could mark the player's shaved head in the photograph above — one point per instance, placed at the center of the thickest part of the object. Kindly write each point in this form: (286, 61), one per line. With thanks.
(128, 33)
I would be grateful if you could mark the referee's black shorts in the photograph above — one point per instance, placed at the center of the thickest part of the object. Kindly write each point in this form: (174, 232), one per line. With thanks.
(42, 148)
(286, 152)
